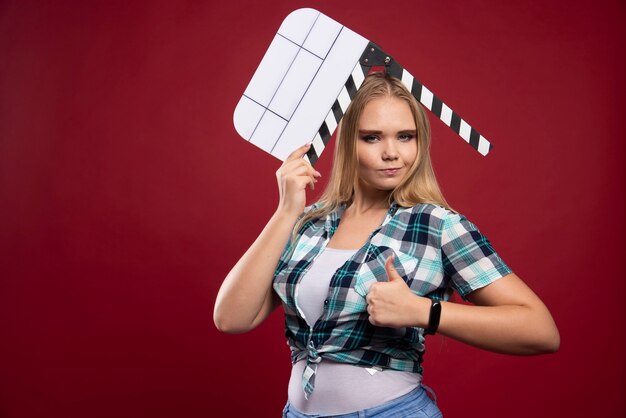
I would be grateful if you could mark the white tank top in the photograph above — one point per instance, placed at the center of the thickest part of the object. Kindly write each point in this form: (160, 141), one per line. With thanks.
(339, 388)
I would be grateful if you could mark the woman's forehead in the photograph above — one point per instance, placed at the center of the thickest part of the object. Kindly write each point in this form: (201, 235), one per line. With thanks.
(387, 113)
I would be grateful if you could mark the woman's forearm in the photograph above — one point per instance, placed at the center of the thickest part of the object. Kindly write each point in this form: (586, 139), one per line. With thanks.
(246, 297)
(507, 329)
(506, 317)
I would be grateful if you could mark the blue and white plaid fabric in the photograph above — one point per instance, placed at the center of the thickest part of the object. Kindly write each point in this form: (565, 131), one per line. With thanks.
(436, 251)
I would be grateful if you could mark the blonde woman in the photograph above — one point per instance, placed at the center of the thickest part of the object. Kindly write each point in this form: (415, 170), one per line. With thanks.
(365, 273)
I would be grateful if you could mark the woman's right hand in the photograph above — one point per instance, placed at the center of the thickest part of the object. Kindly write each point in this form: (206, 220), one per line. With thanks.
(293, 176)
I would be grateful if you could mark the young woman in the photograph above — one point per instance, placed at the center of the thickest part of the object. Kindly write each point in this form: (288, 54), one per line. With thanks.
(365, 273)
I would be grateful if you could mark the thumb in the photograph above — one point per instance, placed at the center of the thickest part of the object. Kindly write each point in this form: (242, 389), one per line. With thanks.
(392, 274)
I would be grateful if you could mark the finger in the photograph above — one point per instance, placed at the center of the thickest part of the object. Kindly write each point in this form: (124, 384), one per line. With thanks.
(392, 274)
(309, 170)
(303, 168)
(302, 182)
(299, 152)
(298, 167)
(306, 174)
(300, 178)
(371, 293)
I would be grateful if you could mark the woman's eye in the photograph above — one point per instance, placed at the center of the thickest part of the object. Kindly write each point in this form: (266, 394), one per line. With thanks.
(369, 138)
(406, 137)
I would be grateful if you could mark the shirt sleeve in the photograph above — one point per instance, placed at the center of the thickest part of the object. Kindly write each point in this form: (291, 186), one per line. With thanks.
(468, 258)
(291, 243)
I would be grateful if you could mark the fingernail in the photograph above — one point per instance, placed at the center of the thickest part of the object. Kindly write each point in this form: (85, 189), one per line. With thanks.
(318, 174)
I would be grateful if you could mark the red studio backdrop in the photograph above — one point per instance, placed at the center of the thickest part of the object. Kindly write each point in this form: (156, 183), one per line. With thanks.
(126, 196)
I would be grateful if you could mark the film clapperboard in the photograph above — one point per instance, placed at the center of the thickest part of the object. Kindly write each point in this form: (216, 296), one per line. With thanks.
(308, 77)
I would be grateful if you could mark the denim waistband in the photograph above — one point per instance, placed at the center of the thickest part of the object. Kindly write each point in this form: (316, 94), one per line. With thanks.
(417, 399)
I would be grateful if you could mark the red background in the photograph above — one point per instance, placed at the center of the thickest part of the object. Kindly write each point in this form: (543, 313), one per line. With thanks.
(126, 196)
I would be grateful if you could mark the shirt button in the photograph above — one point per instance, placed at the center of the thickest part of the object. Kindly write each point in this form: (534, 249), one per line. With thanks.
(326, 302)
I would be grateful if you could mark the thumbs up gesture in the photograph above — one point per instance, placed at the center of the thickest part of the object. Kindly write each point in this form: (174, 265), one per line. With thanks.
(392, 304)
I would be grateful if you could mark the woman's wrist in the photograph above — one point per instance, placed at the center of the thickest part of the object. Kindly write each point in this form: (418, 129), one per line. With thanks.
(433, 317)
(283, 214)
(420, 312)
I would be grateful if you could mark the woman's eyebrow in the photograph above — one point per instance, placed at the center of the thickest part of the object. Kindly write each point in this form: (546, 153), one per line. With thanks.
(372, 132)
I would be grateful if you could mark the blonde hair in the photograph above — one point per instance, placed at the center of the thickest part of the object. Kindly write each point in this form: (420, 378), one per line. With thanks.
(419, 185)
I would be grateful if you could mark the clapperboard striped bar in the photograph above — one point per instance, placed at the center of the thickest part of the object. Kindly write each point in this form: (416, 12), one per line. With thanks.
(308, 77)
(348, 91)
(374, 56)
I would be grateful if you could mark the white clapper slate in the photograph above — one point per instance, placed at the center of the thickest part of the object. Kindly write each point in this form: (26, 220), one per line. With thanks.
(308, 77)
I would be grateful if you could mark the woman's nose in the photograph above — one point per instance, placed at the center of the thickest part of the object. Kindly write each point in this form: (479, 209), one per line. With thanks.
(390, 151)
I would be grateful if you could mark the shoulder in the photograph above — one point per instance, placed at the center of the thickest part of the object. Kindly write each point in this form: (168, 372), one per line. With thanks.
(309, 213)
(435, 217)
(426, 212)
(311, 219)
(311, 208)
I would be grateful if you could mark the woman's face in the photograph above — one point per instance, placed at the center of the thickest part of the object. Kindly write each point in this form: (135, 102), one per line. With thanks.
(386, 144)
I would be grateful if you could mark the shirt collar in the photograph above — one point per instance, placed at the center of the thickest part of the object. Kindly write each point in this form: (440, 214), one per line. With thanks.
(333, 218)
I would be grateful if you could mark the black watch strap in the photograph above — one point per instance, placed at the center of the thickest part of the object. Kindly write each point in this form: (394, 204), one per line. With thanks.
(433, 318)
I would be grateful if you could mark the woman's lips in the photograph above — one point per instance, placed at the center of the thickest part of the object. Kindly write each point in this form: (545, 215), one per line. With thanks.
(390, 171)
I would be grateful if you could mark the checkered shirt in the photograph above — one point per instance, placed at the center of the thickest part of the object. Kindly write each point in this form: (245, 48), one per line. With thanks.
(436, 251)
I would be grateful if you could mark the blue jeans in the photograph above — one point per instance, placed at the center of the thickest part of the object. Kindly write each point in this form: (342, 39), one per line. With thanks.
(415, 404)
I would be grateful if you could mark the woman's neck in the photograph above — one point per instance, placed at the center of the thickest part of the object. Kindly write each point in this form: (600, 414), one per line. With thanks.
(363, 203)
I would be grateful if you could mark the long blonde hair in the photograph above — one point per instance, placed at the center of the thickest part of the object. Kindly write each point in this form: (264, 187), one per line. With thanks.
(419, 185)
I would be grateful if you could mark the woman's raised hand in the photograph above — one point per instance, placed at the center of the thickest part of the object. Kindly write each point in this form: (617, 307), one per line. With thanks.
(293, 177)
(393, 304)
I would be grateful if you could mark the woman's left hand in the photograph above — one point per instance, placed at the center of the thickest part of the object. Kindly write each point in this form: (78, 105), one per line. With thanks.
(392, 304)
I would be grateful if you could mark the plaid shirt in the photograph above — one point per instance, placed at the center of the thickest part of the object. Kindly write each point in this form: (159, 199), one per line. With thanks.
(436, 251)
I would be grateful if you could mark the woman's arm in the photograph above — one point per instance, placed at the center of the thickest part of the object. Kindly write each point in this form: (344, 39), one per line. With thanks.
(246, 296)
(508, 317)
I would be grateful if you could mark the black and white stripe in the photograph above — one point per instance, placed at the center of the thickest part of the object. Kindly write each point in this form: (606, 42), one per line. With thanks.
(347, 93)
(443, 112)
(419, 91)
